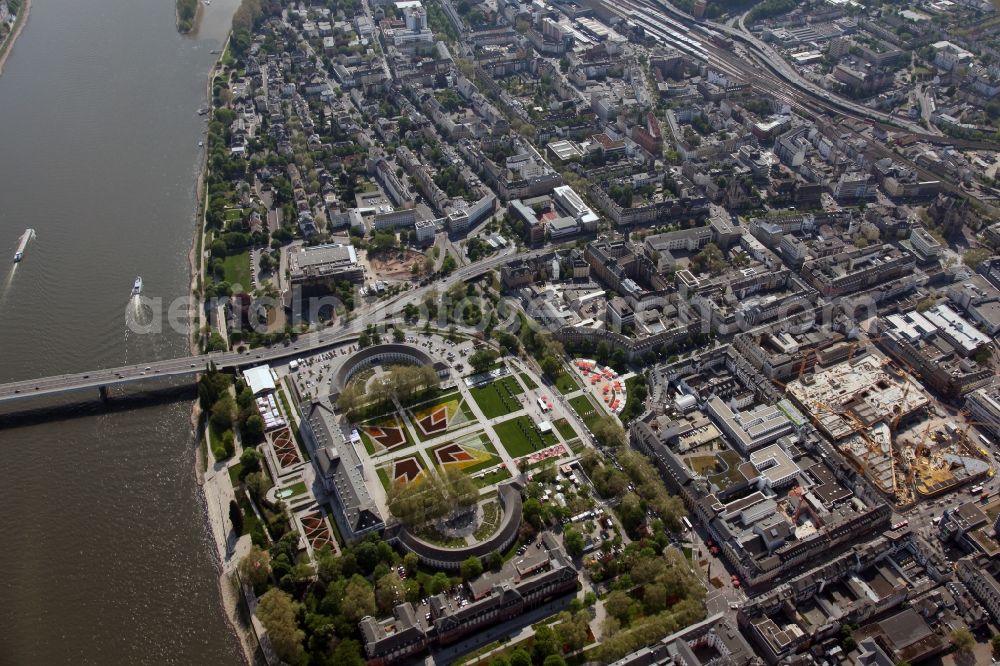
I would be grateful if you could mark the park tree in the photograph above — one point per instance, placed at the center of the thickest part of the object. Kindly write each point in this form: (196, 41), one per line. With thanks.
(655, 598)
(710, 260)
(520, 657)
(546, 643)
(382, 241)
(212, 386)
(482, 360)
(574, 542)
(472, 568)
(975, 256)
(223, 413)
(389, 591)
(495, 561)
(438, 583)
(609, 433)
(573, 630)
(359, 599)
(277, 612)
(410, 563)
(347, 653)
(551, 367)
(257, 484)
(413, 590)
(253, 429)
(618, 604)
(255, 567)
(448, 264)
(228, 445)
(533, 512)
(963, 640)
(631, 514)
(249, 462)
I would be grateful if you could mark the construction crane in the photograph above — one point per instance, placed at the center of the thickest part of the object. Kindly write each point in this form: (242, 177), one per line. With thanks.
(917, 450)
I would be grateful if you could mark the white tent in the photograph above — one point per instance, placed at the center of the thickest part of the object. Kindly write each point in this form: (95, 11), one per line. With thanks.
(259, 379)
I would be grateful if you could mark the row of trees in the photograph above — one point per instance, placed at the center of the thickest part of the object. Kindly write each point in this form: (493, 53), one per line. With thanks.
(649, 493)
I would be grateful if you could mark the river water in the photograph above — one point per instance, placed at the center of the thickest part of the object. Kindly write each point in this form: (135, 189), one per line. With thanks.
(104, 550)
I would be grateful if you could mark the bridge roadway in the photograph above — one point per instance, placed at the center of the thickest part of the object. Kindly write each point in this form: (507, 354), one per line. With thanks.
(305, 344)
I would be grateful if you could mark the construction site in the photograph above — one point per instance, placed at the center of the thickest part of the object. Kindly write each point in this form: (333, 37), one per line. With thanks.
(889, 427)
(396, 266)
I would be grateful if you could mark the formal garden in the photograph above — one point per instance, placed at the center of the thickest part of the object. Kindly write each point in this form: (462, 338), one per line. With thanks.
(385, 433)
(436, 417)
(405, 470)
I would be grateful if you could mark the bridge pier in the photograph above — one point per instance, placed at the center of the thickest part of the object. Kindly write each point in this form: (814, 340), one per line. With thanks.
(104, 393)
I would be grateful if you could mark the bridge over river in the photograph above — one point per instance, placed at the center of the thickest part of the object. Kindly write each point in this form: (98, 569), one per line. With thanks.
(101, 380)
(380, 311)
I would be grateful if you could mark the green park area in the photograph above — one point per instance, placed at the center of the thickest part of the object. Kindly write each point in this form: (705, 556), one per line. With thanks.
(237, 270)
(585, 408)
(565, 383)
(565, 429)
(498, 397)
(520, 436)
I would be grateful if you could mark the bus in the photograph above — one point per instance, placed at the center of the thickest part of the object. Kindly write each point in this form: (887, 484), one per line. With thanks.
(687, 523)
(975, 490)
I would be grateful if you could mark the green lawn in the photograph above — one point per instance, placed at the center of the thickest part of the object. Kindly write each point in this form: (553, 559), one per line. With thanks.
(632, 407)
(234, 474)
(237, 267)
(492, 478)
(565, 429)
(383, 476)
(491, 397)
(528, 382)
(297, 488)
(566, 384)
(251, 523)
(586, 409)
(520, 436)
(367, 441)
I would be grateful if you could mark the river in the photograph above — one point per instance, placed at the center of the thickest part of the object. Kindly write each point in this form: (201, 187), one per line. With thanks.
(105, 552)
